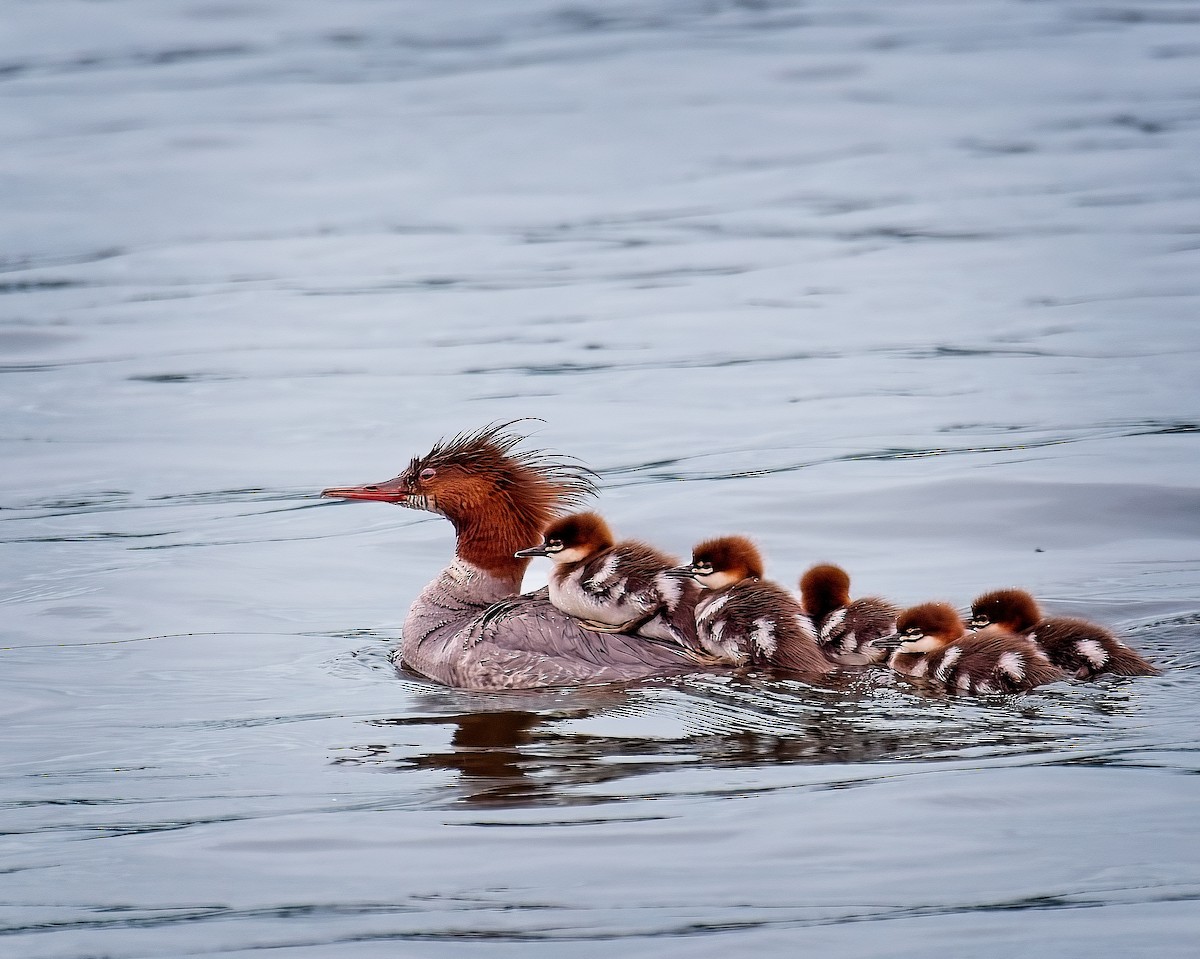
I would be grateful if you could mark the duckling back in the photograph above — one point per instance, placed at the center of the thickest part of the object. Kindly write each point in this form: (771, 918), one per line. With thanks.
(1085, 650)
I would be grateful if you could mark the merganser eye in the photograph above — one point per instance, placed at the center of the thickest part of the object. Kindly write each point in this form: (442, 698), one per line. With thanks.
(427, 474)
(554, 544)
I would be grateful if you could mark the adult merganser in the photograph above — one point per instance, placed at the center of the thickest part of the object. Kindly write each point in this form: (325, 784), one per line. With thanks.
(932, 643)
(1082, 648)
(744, 619)
(612, 587)
(500, 500)
(846, 630)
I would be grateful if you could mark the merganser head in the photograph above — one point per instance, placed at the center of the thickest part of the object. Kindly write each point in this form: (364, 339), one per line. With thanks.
(824, 588)
(573, 539)
(927, 628)
(717, 563)
(1011, 609)
(473, 470)
(498, 498)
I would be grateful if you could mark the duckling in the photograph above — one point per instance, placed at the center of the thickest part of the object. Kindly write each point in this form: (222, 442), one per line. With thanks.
(846, 630)
(1083, 649)
(931, 643)
(744, 619)
(615, 587)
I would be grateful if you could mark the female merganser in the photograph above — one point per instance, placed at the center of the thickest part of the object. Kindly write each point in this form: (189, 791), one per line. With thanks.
(744, 619)
(613, 587)
(846, 630)
(500, 500)
(1083, 649)
(931, 643)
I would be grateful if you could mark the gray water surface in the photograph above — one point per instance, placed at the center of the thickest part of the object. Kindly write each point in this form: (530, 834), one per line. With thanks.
(912, 286)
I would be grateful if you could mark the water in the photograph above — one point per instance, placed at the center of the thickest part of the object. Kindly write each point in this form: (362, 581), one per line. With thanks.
(910, 286)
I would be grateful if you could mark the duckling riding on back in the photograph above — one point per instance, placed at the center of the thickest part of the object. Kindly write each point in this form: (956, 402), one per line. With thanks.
(612, 587)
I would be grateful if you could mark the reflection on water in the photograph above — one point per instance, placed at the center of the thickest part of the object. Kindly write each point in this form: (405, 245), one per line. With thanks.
(524, 755)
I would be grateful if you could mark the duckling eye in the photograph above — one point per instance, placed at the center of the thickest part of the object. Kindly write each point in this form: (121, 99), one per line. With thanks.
(703, 568)
(427, 474)
(914, 632)
(554, 545)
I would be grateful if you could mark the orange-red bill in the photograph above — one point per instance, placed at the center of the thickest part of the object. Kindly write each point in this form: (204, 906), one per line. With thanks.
(393, 491)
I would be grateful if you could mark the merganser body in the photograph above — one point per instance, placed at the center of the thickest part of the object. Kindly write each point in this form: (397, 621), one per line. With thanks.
(500, 500)
(745, 620)
(846, 630)
(933, 644)
(1082, 648)
(612, 587)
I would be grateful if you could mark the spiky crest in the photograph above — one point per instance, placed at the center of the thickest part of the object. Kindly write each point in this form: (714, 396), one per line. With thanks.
(499, 498)
(538, 485)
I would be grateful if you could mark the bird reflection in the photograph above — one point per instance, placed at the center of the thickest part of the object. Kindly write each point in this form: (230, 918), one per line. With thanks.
(538, 750)
(486, 748)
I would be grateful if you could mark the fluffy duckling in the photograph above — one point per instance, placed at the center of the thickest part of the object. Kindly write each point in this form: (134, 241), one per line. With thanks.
(744, 619)
(1083, 649)
(846, 630)
(931, 643)
(615, 587)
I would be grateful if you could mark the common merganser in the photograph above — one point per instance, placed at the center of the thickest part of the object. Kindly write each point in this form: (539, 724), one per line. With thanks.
(1084, 649)
(500, 500)
(846, 630)
(932, 643)
(744, 619)
(612, 587)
